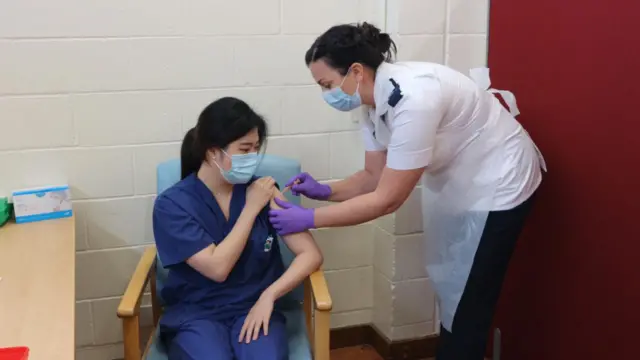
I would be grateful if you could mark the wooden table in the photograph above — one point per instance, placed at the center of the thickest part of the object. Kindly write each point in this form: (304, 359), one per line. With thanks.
(37, 289)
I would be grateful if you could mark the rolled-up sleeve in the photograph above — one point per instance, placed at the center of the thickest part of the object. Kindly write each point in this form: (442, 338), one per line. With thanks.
(177, 234)
(413, 133)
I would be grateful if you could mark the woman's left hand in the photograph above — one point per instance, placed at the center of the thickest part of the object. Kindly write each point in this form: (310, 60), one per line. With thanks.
(258, 318)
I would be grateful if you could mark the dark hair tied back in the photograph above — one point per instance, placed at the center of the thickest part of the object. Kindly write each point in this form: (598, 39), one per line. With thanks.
(378, 39)
(343, 45)
(220, 123)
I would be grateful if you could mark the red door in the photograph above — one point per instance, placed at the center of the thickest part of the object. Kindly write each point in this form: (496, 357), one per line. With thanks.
(573, 290)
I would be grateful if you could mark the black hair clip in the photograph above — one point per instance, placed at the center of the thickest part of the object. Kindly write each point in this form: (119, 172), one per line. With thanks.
(396, 94)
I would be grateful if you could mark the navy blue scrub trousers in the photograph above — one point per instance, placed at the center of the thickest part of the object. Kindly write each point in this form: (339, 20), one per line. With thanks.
(472, 321)
(206, 339)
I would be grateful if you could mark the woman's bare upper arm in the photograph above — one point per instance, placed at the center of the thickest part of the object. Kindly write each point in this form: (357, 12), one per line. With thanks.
(299, 242)
(374, 162)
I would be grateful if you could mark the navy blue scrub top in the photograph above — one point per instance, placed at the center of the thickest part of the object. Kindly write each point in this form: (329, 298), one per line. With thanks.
(187, 219)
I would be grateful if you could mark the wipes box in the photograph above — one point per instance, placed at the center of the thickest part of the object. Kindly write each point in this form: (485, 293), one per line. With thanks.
(44, 203)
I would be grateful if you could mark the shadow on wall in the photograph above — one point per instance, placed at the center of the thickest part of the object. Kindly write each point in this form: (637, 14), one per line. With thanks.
(110, 239)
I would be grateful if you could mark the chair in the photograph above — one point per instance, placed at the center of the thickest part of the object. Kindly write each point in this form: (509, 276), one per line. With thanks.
(307, 308)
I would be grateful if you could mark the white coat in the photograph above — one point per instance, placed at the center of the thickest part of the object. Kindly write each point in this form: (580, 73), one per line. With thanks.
(478, 159)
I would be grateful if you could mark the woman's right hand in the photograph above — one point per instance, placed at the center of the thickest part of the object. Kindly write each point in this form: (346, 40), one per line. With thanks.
(260, 193)
(306, 185)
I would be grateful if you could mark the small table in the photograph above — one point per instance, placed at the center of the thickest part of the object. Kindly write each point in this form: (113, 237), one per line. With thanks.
(37, 289)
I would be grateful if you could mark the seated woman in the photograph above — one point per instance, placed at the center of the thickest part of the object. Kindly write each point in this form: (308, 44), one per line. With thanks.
(212, 231)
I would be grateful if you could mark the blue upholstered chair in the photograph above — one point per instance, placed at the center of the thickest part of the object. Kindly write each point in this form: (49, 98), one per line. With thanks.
(307, 308)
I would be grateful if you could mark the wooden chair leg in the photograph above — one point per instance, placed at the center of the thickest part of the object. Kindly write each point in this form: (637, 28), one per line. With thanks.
(322, 325)
(155, 304)
(308, 311)
(131, 332)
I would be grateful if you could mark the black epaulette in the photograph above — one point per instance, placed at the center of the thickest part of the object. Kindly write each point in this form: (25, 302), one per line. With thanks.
(396, 94)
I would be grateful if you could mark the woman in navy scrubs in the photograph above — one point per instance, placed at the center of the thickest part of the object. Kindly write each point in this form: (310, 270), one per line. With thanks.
(212, 231)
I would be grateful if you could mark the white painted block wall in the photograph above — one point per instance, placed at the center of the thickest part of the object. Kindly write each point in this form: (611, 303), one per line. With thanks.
(96, 94)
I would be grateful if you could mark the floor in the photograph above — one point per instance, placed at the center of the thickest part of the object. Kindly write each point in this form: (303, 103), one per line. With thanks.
(356, 353)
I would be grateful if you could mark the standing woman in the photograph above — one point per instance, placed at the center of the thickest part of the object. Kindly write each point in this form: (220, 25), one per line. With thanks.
(480, 167)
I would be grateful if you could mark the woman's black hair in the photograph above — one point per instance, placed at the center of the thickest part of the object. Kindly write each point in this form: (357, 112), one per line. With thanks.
(220, 123)
(343, 45)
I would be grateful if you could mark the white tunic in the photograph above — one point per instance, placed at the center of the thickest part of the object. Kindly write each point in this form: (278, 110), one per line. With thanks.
(436, 99)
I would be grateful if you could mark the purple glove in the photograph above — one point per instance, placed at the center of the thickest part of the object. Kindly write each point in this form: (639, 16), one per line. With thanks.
(309, 187)
(291, 218)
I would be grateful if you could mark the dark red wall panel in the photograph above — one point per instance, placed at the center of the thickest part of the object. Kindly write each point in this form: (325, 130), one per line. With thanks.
(573, 290)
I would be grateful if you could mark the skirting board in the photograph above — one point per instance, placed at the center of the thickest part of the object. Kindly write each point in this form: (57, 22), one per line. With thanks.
(390, 350)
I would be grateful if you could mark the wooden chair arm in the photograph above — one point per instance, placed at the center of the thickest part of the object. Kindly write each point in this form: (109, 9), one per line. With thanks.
(318, 324)
(130, 302)
(320, 291)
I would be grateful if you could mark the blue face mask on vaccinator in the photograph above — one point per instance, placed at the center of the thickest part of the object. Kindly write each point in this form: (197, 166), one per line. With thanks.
(243, 167)
(340, 100)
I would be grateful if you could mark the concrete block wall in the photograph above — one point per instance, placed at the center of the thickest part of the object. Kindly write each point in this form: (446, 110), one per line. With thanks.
(451, 32)
(96, 94)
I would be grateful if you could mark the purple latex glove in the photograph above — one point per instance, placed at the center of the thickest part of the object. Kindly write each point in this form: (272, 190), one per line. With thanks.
(309, 187)
(291, 218)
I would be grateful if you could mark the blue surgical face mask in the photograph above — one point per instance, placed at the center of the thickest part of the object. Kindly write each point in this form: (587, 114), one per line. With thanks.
(243, 167)
(340, 100)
